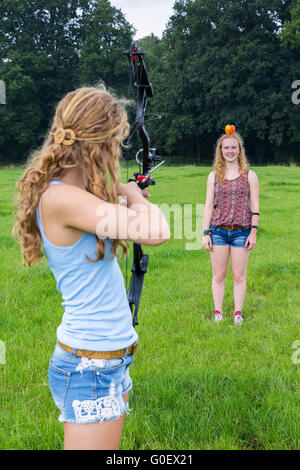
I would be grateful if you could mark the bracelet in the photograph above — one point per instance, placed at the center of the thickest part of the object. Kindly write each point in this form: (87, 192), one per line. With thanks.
(254, 226)
(254, 213)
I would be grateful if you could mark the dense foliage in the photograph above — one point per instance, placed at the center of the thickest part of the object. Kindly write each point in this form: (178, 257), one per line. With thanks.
(218, 62)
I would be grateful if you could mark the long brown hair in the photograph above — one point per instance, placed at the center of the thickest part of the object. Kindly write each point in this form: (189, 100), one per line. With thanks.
(219, 162)
(88, 129)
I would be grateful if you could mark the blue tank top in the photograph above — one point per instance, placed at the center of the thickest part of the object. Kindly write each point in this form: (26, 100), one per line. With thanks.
(97, 315)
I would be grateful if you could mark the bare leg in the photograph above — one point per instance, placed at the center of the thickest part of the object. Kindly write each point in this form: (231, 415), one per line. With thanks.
(239, 261)
(95, 436)
(219, 259)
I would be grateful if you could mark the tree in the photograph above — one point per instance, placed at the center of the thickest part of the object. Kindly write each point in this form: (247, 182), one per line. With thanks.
(291, 28)
(108, 34)
(48, 48)
(223, 64)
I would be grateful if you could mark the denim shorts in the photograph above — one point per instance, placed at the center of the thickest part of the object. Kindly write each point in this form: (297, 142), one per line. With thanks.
(222, 236)
(88, 390)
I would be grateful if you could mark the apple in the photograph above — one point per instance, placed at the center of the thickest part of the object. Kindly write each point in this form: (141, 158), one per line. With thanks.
(229, 129)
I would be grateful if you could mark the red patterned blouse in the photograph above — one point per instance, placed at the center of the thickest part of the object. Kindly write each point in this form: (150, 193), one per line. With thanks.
(232, 202)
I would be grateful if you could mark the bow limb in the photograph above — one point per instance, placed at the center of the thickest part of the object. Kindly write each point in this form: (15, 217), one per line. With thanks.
(138, 270)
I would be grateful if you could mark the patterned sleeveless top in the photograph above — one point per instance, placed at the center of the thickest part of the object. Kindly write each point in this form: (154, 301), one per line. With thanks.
(232, 202)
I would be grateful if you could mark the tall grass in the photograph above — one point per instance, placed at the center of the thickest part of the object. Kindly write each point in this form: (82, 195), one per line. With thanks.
(197, 384)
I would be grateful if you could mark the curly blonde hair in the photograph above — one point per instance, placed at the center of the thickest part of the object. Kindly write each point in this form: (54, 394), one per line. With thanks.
(219, 162)
(97, 125)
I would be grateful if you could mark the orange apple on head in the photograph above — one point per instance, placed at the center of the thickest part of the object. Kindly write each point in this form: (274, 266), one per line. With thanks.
(229, 129)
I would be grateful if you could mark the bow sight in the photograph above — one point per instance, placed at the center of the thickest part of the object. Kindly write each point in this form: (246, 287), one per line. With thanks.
(139, 79)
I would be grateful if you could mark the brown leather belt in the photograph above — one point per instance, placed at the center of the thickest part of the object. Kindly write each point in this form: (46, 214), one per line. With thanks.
(233, 227)
(101, 354)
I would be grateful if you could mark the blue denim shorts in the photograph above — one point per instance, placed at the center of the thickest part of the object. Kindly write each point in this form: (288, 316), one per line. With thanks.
(222, 236)
(88, 390)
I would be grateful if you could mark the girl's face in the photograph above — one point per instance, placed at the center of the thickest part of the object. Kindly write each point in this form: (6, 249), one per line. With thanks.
(230, 150)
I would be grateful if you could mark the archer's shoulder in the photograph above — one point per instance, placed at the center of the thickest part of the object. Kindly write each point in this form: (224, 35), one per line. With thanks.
(67, 195)
(54, 191)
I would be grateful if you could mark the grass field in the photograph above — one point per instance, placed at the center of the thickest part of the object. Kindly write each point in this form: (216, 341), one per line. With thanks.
(197, 384)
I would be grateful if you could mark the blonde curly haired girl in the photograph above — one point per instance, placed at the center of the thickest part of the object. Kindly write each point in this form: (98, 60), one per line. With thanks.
(68, 209)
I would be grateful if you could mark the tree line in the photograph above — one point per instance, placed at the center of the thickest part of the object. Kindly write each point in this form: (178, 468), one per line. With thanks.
(218, 63)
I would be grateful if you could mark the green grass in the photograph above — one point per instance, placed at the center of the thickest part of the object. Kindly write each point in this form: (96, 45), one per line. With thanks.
(197, 384)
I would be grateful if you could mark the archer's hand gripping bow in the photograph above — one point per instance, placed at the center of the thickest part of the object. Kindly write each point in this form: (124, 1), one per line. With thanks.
(139, 78)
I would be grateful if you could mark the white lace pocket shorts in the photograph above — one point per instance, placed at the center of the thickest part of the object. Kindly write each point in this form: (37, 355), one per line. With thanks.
(89, 390)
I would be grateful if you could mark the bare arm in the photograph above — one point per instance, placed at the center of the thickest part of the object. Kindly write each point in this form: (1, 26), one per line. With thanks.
(254, 206)
(210, 198)
(208, 209)
(140, 222)
(254, 197)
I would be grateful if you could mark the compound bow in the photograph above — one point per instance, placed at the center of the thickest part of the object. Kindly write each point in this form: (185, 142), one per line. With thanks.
(139, 79)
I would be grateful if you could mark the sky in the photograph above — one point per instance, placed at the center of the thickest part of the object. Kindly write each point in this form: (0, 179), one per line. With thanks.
(147, 16)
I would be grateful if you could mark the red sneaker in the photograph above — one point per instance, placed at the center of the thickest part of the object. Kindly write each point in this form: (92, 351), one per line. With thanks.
(237, 318)
(218, 315)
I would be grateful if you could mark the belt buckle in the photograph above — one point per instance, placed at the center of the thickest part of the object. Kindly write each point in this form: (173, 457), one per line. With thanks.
(134, 347)
(131, 349)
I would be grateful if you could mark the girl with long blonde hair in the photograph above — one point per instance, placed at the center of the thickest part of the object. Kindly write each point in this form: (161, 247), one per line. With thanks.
(68, 208)
(230, 223)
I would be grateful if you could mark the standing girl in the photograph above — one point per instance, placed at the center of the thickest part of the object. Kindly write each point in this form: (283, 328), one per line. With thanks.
(230, 225)
(68, 201)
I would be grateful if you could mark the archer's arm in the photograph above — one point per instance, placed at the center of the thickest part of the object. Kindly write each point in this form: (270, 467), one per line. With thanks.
(141, 222)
